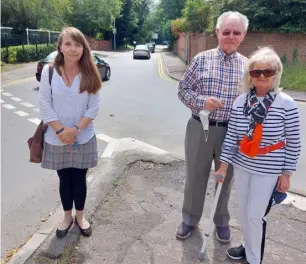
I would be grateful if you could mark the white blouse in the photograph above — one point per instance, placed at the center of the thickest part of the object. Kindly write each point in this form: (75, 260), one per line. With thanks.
(67, 105)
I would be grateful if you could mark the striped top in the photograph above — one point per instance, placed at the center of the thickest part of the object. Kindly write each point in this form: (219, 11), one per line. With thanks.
(282, 123)
(212, 73)
(67, 105)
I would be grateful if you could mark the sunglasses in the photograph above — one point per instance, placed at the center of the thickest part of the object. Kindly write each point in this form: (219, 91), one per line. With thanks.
(266, 73)
(227, 33)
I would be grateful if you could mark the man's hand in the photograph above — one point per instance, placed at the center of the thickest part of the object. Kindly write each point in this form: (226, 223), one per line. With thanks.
(221, 171)
(283, 183)
(213, 103)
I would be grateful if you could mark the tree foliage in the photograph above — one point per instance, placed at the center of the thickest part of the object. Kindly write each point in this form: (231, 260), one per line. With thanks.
(33, 13)
(276, 15)
(197, 14)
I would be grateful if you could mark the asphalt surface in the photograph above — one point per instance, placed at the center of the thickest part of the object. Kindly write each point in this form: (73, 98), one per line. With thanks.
(139, 101)
(136, 222)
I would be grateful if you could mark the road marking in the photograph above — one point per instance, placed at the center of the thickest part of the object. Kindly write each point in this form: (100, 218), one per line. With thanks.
(7, 94)
(1, 90)
(36, 109)
(21, 113)
(18, 81)
(1, 101)
(161, 69)
(8, 106)
(27, 104)
(36, 121)
(17, 99)
(104, 137)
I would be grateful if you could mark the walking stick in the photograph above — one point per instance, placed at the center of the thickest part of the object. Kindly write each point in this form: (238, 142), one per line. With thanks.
(202, 254)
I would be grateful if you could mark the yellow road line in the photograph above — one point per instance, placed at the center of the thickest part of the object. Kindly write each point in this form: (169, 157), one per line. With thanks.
(160, 68)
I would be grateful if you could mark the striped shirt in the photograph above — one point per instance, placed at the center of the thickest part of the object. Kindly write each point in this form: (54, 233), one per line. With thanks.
(282, 123)
(66, 105)
(212, 73)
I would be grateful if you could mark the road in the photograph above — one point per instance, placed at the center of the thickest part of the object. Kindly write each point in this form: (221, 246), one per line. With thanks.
(139, 101)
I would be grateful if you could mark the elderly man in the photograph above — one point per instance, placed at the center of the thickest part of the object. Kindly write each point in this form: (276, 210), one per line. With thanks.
(211, 83)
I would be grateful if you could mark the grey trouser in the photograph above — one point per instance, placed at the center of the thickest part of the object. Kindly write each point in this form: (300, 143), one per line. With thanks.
(199, 155)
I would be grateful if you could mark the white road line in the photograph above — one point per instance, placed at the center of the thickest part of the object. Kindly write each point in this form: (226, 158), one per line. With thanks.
(34, 120)
(36, 109)
(1, 90)
(1, 101)
(104, 137)
(21, 113)
(17, 99)
(8, 106)
(27, 104)
(7, 94)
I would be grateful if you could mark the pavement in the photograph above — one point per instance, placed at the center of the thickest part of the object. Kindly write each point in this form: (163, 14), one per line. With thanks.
(177, 67)
(134, 204)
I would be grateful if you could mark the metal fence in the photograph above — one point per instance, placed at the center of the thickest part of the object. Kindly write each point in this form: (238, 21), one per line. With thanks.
(30, 37)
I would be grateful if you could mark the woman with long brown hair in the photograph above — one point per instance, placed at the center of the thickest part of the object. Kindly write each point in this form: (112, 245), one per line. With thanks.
(69, 104)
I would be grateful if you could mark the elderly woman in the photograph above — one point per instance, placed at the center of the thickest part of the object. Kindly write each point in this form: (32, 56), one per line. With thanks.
(263, 144)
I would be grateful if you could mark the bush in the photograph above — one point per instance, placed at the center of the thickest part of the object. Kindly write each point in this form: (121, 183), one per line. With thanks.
(26, 53)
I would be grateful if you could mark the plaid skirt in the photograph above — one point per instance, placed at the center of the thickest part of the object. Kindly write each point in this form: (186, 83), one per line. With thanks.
(61, 157)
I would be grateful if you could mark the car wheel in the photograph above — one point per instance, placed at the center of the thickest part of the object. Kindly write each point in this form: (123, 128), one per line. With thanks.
(107, 74)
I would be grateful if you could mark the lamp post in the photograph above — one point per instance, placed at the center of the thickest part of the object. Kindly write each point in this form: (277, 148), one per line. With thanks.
(114, 32)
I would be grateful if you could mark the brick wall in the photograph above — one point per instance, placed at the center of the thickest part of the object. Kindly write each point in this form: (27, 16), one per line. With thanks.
(283, 43)
(99, 44)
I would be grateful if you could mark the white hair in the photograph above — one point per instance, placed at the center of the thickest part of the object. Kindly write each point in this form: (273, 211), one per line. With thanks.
(263, 55)
(243, 20)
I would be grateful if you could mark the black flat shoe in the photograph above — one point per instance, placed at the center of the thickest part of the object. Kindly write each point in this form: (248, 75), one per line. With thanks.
(63, 233)
(85, 232)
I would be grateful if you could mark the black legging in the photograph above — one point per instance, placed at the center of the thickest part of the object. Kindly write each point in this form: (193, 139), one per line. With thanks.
(72, 188)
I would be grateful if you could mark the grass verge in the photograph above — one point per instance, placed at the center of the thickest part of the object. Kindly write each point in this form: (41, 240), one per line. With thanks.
(294, 77)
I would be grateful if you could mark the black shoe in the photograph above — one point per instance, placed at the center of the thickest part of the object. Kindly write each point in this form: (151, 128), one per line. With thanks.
(63, 233)
(184, 231)
(236, 252)
(85, 232)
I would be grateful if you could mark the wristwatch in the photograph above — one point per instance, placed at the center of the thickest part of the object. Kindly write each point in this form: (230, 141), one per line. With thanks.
(77, 128)
(287, 173)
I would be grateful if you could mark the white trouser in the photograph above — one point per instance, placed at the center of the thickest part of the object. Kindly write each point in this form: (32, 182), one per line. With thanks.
(254, 198)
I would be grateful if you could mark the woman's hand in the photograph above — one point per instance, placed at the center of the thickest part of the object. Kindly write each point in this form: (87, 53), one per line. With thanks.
(68, 135)
(221, 171)
(283, 183)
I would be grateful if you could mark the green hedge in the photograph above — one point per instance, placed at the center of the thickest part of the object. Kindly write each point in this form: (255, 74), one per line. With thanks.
(26, 53)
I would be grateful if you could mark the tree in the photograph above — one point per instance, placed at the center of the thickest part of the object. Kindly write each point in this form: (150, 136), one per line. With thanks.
(33, 13)
(197, 14)
(93, 16)
(277, 15)
(126, 23)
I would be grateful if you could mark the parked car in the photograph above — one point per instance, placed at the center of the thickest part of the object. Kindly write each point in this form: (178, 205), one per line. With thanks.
(165, 43)
(103, 67)
(141, 51)
(151, 47)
